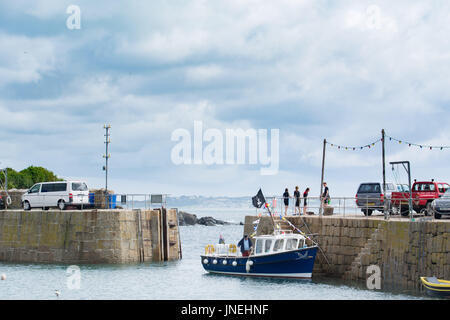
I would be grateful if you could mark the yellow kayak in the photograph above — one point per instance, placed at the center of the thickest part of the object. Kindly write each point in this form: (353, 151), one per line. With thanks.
(436, 287)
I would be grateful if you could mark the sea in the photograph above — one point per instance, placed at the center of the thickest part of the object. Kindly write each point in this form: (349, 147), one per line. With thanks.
(179, 280)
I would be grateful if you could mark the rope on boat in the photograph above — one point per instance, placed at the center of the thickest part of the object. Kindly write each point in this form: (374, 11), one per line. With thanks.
(303, 234)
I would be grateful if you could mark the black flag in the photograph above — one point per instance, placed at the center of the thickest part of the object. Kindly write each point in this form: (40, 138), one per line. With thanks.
(259, 199)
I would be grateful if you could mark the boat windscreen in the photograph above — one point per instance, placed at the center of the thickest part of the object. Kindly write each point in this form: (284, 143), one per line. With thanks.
(267, 245)
(278, 245)
(291, 244)
(259, 246)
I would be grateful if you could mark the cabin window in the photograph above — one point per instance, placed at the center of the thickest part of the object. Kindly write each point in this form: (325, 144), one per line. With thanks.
(278, 245)
(267, 245)
(291, 244)
(301, 244)
(259, 246)
(442, 188)
(424, 187)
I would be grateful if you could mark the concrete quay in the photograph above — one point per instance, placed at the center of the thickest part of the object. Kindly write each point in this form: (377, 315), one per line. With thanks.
(89, 236)
(404, 250)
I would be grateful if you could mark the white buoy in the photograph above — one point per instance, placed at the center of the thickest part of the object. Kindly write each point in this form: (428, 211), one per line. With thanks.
(205, 261)
(250, 262)
(57, 293)
(224, 262)
(214, 261)
(234, 263)
(3, 277)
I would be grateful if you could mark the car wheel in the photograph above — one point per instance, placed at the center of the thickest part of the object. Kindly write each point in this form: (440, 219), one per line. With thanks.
(404, 211)
(394, 211)
(26, 206)
(437, 215)
(367, 212)
(61, 204)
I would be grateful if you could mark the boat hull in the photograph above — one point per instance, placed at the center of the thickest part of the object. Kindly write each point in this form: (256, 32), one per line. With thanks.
(436, 287)
(297, 264)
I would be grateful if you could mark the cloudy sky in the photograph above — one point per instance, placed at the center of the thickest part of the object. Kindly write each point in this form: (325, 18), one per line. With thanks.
(312, 69)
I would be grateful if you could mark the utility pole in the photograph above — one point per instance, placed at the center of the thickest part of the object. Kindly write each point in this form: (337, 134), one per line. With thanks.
(323, 172)
(383, 135)
(107, 127)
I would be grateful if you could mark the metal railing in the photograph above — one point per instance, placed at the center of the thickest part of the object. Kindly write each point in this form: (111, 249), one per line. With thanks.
(95, 201)
(346, 206)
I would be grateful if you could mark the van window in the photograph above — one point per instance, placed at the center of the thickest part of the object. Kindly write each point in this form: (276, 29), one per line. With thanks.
(79, 186)
(35, 189)
(267, 245)
(60, 187)
(47, 187)
(54, 187)
(259, 246)
(370, 188)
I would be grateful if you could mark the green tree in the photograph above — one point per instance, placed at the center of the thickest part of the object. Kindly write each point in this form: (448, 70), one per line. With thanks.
(26, 178)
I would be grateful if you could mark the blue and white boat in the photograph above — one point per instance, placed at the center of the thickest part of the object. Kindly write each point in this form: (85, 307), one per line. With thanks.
(280, 255)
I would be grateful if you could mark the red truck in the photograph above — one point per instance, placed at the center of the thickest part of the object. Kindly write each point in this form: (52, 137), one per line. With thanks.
(423, 193)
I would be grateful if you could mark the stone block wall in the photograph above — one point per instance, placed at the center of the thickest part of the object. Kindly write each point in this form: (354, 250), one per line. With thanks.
(403, 250)
(82, 237)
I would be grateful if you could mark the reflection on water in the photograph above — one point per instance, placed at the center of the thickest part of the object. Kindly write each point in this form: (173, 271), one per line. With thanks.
(185, 279)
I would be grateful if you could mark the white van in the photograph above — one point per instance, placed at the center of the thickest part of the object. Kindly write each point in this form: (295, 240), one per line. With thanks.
(58, 194)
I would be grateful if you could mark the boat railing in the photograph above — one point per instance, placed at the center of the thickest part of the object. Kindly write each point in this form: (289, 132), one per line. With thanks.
(229, 250)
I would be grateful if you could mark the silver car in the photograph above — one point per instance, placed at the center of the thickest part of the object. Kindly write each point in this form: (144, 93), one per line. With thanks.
(441, 205)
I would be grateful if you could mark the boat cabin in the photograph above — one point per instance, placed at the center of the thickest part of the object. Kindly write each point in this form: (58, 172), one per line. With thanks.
(269, 244)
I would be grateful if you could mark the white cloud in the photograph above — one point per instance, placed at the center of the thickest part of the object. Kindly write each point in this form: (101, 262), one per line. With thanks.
(314, 70)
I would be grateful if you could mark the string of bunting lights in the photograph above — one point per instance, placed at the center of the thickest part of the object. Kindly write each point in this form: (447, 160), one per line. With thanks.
(371, 145)
(368, 146)
(421, 146)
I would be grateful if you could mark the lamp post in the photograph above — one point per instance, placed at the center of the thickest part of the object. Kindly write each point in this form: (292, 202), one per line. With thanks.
(107, 127)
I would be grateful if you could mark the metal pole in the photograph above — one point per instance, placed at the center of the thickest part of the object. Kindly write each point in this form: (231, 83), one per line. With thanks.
(323, 171)
(107, 156)
(408, 170)
(384, 172)
(410, 191)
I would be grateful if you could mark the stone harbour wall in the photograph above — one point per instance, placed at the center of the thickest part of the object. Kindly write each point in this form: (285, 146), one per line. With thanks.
(403, 250)
(89, 236)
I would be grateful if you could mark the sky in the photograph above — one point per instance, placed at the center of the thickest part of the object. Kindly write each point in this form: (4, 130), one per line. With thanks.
(313, 70)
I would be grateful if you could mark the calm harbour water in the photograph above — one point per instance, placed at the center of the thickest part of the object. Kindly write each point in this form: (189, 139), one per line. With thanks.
(184, 279)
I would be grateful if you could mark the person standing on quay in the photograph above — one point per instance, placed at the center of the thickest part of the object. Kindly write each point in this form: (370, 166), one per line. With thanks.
(325, 195)
(305, 200)
(286, 201)
(297, 201)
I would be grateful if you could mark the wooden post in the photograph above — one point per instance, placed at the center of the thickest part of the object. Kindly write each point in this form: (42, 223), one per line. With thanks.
(323, 171)
(165, 235)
